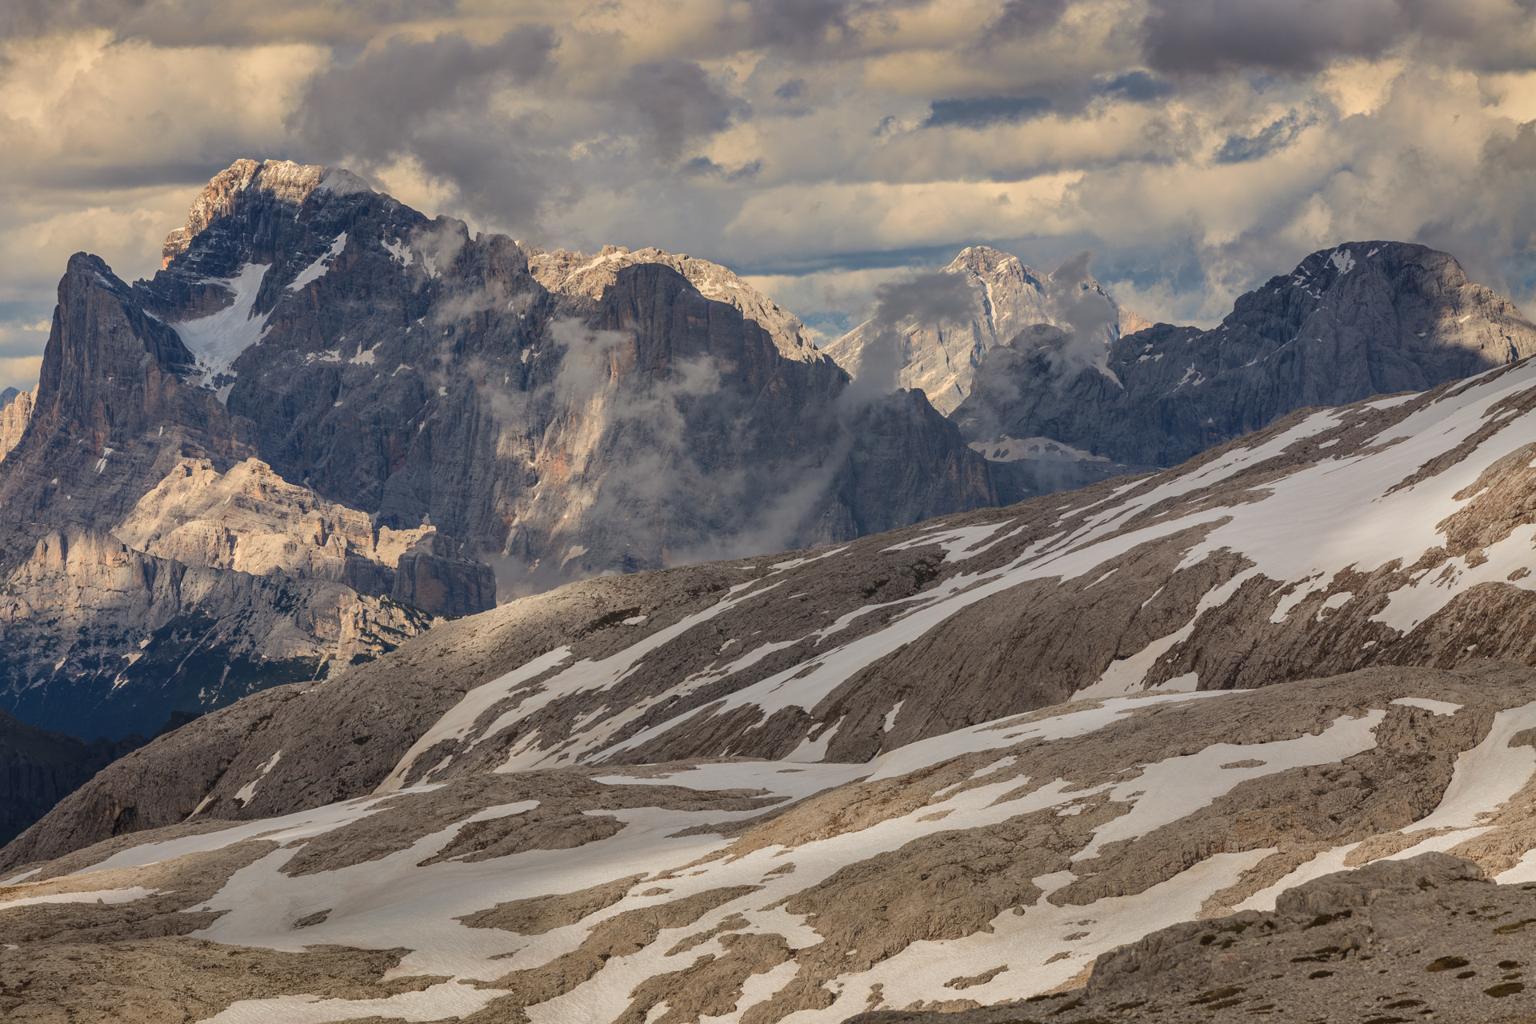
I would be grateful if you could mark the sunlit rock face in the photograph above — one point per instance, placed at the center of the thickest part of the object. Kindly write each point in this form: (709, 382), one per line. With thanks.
(1004, 297)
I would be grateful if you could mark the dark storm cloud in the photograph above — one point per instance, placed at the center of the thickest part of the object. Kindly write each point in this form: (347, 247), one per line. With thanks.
(791, 90)
(981, 111)
(1020, 18)
(676, 102)
(1272, 138)
(800, 26)
(427, 99)
(1211, 36)
(363, 106)
(1138, 87)
(704, 167)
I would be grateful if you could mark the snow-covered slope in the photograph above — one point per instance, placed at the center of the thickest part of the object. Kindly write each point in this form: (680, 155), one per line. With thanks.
(1397, 531)
(976, 867)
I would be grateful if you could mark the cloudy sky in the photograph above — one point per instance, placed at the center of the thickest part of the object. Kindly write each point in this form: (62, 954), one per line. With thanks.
(821, 147)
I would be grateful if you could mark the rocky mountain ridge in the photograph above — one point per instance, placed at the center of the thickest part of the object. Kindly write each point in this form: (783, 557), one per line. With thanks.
(326, 400)
(1186, 580)
(1003, 297)
(1360, 319)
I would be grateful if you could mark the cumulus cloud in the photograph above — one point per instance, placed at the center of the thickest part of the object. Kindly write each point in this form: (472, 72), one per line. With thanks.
(1025, 17)
(675, 102)
(430, 100)
(1197, 146)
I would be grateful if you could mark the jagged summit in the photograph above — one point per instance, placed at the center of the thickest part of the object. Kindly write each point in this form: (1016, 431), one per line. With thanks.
(342, 419)
(981, 258)
(1006, 297)
(1350, 321)
(576, 273)
(283, 180)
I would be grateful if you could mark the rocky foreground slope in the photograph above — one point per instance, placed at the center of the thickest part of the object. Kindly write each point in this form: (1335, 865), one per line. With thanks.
(330, 421)
(976, 867)
(1428, 938)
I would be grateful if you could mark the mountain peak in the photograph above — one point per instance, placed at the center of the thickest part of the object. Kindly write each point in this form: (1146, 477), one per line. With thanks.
(283, 180)
(576, 273)
(981, 259)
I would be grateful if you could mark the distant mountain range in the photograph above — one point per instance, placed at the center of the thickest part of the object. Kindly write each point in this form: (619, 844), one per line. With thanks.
(329, 423)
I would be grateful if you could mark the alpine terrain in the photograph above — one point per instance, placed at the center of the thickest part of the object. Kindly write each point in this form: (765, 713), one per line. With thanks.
(1133, 752)
(329, 422)
(1058, 388)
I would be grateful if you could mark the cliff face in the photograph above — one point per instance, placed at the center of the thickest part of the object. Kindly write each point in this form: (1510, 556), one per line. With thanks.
(344, 419)
(15, 412)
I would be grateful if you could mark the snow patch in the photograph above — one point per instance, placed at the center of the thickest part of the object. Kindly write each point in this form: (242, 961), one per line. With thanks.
(321, 265)
(218, 339)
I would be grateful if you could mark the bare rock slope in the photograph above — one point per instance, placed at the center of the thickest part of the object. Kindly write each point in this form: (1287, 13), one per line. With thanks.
(1394, 532)
(1395, 941)
(947, 768)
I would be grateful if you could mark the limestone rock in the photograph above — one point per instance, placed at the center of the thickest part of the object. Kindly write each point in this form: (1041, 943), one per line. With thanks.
(15, 412)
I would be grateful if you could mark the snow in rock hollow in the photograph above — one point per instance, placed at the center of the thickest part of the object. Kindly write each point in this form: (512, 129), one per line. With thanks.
(216, 340)
(321, 265)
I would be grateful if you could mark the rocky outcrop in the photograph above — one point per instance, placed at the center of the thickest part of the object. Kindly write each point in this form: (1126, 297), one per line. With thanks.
(251, 520)
(15, 412)
(1006, 297)
(97, 638)
(577, 274)
(1362, 319)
